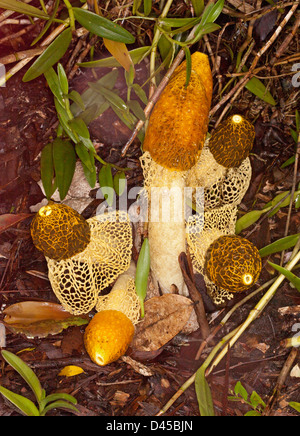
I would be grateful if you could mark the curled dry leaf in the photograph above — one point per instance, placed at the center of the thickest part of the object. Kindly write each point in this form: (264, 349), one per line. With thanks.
(165, 317)
(39, 319)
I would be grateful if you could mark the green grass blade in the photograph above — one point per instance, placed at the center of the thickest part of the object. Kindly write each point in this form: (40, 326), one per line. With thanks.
(248, 219)
(107, 183)
(25, 371)
(142, 273)
(58, 405)
(53, 53)
(103, 27)
(23, 8)
(279, 245)
(64, 158)
(26, 406)
(203, 393)
(288, 274)
(258, 88)
(110, 62)
(47, 170)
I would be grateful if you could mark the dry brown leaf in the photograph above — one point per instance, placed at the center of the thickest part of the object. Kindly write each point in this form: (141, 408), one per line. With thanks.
(39, 318)
(165, 317)
(120, 52)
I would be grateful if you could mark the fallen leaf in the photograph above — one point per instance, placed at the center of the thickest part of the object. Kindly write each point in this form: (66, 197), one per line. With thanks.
(165, 317)
(70, 371)
(120, 52)
(39, 319)
(9, 220)
(295, 372)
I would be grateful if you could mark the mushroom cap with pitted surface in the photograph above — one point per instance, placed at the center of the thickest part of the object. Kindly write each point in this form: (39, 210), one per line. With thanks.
(233, 263)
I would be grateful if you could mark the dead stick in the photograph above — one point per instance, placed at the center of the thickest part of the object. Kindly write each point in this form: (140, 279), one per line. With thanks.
(195, 295)
(240, 85)
(281, 379)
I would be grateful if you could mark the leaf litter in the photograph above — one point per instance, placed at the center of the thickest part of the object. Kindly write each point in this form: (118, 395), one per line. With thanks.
(27, 120)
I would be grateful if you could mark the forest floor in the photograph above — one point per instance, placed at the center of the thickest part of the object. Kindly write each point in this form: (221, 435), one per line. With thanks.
(28, 121)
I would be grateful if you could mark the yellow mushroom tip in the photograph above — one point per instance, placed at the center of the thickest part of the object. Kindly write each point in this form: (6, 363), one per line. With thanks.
(247, 279)
(45, 211)
(237, 119)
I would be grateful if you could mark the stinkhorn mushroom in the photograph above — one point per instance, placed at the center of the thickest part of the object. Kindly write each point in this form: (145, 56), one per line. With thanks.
(224, 170)
(83, 256)
(111, 330)
(107, 336)
(173, 142)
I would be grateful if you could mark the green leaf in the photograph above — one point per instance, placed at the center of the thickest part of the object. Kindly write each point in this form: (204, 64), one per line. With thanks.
(25, 372)
(48, 24)
(212, 12)
(277, 199)
(203, 393)
(109, 95)
(53, 53)
(23, 8)
(252, 413)
(137, 110)
(256, 400)
(136, 55)
(26, 406)
(140, 93)
(55, 397)
(102, 26)
(64, 119)
(76, 98)
(63, 80)
(240, 390)
(58, 405)
(79, 126)
(64, 158)
(107, 184)
(91, 176)
(178, 22)
(198, 6)
(84, 156)
(147, 7)
(257, 88)
(188, 65)
(288, 162)
(248, 219)
(47, 170)
(142, 273)
(54, 85)
(295, 405)
(279, 245)
(120, 182)
(288, 274)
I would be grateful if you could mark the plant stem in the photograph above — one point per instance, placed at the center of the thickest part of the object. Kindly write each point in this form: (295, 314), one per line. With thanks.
(71, 14)
(157, 35)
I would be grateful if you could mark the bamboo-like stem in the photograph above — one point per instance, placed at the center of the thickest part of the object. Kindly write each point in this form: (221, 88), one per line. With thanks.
(157, 35)
(191, 380)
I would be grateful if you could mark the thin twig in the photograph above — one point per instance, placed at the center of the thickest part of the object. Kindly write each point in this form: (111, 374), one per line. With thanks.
(236, 90)
(287, 225)
(281, 380)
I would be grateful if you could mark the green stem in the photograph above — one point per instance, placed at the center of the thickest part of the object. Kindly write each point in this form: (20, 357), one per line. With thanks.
(157, 35)
(71, 14)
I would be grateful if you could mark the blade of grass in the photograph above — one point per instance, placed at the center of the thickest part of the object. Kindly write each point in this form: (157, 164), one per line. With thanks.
(53, 53)
(25, 372)
(142, 273)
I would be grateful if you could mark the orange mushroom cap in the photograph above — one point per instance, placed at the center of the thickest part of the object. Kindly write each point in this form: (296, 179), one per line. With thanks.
(179, 121)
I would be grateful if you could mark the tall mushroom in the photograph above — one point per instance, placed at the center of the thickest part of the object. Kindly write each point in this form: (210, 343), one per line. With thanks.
(173, 142)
